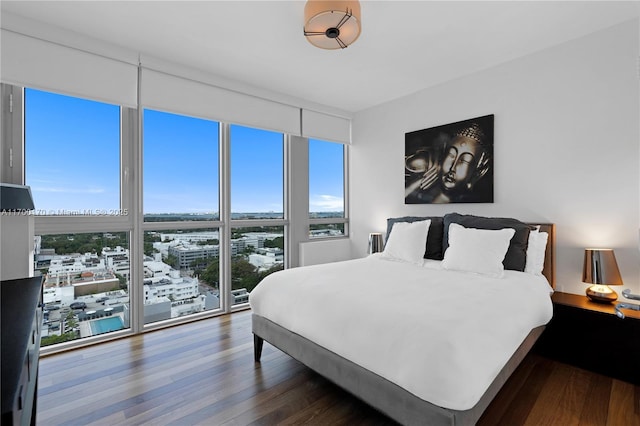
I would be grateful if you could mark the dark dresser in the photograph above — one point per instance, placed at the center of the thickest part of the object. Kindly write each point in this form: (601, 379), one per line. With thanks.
(21, 315)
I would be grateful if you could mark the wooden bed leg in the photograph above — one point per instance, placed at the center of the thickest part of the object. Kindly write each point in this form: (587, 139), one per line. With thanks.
(257, 347)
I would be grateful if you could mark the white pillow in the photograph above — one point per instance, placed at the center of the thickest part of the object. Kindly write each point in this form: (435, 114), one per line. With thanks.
(536, 250)
(407, 241)
(477, 250)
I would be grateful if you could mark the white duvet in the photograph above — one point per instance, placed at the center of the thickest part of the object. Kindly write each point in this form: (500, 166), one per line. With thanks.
(441, 335)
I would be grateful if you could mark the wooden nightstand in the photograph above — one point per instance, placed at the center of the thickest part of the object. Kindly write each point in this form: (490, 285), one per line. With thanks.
(590, 336)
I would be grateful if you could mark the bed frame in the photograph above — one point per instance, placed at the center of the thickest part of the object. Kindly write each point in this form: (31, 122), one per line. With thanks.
(387, 397)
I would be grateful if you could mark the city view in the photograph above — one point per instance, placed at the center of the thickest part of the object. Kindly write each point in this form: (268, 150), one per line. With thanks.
(87, 275)
(76, 163)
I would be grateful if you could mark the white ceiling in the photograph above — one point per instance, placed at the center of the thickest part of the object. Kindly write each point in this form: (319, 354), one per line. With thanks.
(405, 46)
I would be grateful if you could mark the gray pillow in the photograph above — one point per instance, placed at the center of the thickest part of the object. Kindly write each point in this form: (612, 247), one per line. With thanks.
(433, 245)
(516, 257)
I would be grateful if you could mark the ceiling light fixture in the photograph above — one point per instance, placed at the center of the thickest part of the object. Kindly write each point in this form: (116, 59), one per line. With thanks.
(332, 24)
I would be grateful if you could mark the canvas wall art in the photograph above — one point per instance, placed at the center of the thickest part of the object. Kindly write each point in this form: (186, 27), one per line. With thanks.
(452, 163)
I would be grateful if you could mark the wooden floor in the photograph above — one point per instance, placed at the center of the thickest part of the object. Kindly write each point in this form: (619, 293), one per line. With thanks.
(203, 373)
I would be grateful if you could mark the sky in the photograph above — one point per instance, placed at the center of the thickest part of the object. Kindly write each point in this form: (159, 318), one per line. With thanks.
(72, 153)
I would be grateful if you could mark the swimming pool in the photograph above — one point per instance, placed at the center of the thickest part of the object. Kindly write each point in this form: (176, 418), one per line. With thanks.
(105, 325)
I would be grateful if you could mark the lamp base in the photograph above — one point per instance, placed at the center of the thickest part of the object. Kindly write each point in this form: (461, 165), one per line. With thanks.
(601, 294)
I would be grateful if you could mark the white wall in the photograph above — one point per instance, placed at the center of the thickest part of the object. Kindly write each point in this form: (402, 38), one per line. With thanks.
(324, 251)
(566, 148)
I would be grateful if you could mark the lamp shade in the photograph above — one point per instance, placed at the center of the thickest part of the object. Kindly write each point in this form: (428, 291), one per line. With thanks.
(375, 242)
(601, 270)
(600, 267)
(332, 24)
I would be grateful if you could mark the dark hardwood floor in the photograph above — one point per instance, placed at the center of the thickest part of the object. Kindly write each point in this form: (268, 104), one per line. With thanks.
(204, 373)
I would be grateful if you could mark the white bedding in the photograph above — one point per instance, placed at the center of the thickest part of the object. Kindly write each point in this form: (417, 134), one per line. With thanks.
(441, 335)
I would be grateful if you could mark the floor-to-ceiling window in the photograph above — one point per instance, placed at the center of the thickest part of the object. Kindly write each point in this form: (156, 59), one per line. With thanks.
(72, 162)
(326, 189)
(257, 243)
(145, 218)
(180, 188)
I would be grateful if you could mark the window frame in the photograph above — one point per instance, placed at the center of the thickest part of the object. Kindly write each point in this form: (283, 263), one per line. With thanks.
(295, 221)
(13, 113)
(245, 223)
(183, 226)
(330, 221)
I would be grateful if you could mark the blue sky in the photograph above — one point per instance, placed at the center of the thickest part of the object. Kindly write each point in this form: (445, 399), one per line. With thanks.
(72, 161)
(72, 152)
(326, 182)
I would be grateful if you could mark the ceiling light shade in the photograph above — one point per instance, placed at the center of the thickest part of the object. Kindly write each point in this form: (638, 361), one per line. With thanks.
(332, 24)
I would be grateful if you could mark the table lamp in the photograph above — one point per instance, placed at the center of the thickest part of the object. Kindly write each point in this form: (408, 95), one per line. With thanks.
(375, 242)
(601, 269)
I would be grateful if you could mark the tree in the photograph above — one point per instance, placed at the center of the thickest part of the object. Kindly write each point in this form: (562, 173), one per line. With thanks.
(148, 248)
(87, 248)
(248, 250)
(172, 261)
(70, 322)
(149, 239)
(211, 274)
(201, 263)
(83, 242)
(54, 338)
(123, 281)
(277, 242)
(243, 274)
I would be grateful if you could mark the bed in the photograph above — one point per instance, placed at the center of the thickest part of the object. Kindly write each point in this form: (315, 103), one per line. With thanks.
(417, 337)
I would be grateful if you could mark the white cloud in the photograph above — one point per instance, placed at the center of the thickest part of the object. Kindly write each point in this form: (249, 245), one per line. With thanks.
(326, 203)
(68, 190)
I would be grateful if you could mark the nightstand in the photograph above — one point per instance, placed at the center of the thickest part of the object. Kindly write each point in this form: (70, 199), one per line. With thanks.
(590, 336)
